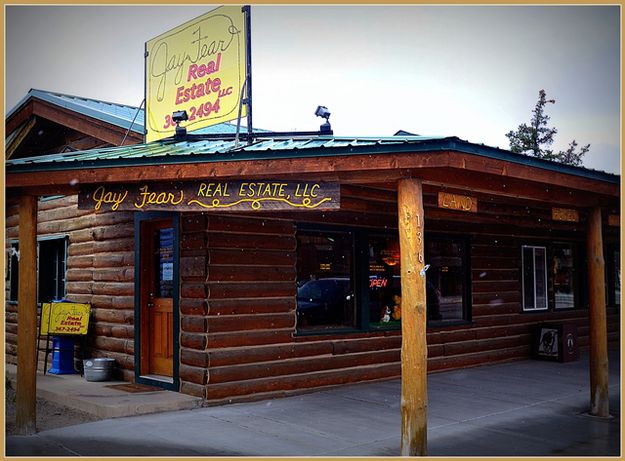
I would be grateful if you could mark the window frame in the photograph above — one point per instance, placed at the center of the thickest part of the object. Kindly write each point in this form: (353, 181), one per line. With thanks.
(467, 289)
(546, 279)
(357, 285)
(360, 275)
(13, 269)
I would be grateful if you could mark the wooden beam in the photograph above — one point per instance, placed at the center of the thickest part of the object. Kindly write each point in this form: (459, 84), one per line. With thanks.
(25, 404)
(413, 323)
(19, 117)
(17, 141)
(599, 402)
(433, 168)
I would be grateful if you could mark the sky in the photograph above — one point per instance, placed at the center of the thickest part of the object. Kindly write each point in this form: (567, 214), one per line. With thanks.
(467, 71)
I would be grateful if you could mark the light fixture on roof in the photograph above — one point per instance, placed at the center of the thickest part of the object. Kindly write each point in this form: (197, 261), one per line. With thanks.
(180, 116)
(323, 112)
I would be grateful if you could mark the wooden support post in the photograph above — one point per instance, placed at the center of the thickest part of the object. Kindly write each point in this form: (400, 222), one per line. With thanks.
(599, 402)
(25, 401)
(413, 322)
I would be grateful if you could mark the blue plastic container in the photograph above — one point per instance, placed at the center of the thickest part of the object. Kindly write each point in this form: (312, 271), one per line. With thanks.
(62, 356)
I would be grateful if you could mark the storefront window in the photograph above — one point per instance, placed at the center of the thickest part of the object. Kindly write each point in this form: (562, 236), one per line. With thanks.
(534, 278)
(384, 282)
(51, 268)
(328, 280)
(445, 279)
(563, 269)
(325, 287)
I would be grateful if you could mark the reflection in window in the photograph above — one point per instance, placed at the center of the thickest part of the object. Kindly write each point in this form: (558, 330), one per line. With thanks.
(563, 276)
(325, 289)
(534, 278)
(384, 281)
(445, 279)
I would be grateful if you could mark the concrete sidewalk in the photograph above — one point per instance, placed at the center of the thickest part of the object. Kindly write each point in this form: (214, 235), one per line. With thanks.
(105, 399)
(527, 408)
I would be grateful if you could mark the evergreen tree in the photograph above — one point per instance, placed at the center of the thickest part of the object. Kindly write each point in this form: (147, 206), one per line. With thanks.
(536, 138)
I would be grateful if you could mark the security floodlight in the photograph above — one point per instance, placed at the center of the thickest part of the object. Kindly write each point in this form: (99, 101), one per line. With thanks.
(323, 112)
(180, 116)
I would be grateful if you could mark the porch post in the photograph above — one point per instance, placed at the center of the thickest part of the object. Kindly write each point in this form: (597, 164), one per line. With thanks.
(413, 321)
(599, 402)
(25, 399)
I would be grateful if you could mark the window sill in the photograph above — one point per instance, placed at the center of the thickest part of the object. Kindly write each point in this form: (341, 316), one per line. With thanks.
(454, 323)
(327, 331)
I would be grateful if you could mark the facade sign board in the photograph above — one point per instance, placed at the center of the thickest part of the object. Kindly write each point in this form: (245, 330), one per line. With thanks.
(457, 202)
(198, 67)
(253, 195)
(564, 214)
(65, 318)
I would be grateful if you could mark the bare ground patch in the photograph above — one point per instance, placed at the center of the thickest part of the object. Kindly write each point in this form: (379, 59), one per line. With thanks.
(49, 415)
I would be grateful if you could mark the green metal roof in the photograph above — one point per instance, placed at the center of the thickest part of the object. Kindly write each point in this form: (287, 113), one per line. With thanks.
(171, 151)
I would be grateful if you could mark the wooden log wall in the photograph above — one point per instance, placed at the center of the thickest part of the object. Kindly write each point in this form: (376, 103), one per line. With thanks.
(249, 284)
(100, 271)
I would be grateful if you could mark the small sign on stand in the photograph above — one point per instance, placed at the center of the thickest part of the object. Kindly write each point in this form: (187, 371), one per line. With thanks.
(63, 321)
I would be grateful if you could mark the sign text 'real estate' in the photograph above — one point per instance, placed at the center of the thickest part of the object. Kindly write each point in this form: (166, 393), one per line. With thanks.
(266, 195)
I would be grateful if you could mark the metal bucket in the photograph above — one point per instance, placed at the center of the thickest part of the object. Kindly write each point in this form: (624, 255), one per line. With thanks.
(100, 369)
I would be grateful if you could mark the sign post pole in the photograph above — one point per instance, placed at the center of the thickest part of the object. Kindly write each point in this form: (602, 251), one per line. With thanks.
(248, 70)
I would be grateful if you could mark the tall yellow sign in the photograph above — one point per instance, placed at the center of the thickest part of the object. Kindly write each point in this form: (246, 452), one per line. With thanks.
(198, 67)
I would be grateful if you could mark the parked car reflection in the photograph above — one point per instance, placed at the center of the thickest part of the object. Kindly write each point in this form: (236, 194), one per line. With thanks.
(324, 301)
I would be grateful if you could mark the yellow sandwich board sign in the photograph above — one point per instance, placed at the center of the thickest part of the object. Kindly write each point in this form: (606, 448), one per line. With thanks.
(65, 318)
(198, 67)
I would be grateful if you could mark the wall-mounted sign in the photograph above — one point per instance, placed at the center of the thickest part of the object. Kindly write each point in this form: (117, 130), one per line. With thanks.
(457, 202)
(614, 220)
(254, 195)
(65, 318)
(198, 67)
(564, 214)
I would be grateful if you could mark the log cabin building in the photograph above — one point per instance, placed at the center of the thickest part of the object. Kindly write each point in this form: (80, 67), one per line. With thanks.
(299, 285)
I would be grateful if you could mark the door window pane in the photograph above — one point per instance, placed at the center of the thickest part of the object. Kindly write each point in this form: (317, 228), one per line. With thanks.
(325, 288)
(165, 263)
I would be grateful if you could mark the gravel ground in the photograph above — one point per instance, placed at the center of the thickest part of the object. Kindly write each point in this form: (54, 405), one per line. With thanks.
(49, 415)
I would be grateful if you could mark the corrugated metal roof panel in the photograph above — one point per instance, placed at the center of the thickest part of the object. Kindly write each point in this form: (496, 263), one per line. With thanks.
(172, 151)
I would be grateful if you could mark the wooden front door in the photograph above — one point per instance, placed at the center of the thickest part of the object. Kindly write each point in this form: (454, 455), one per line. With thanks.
(157, 288)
